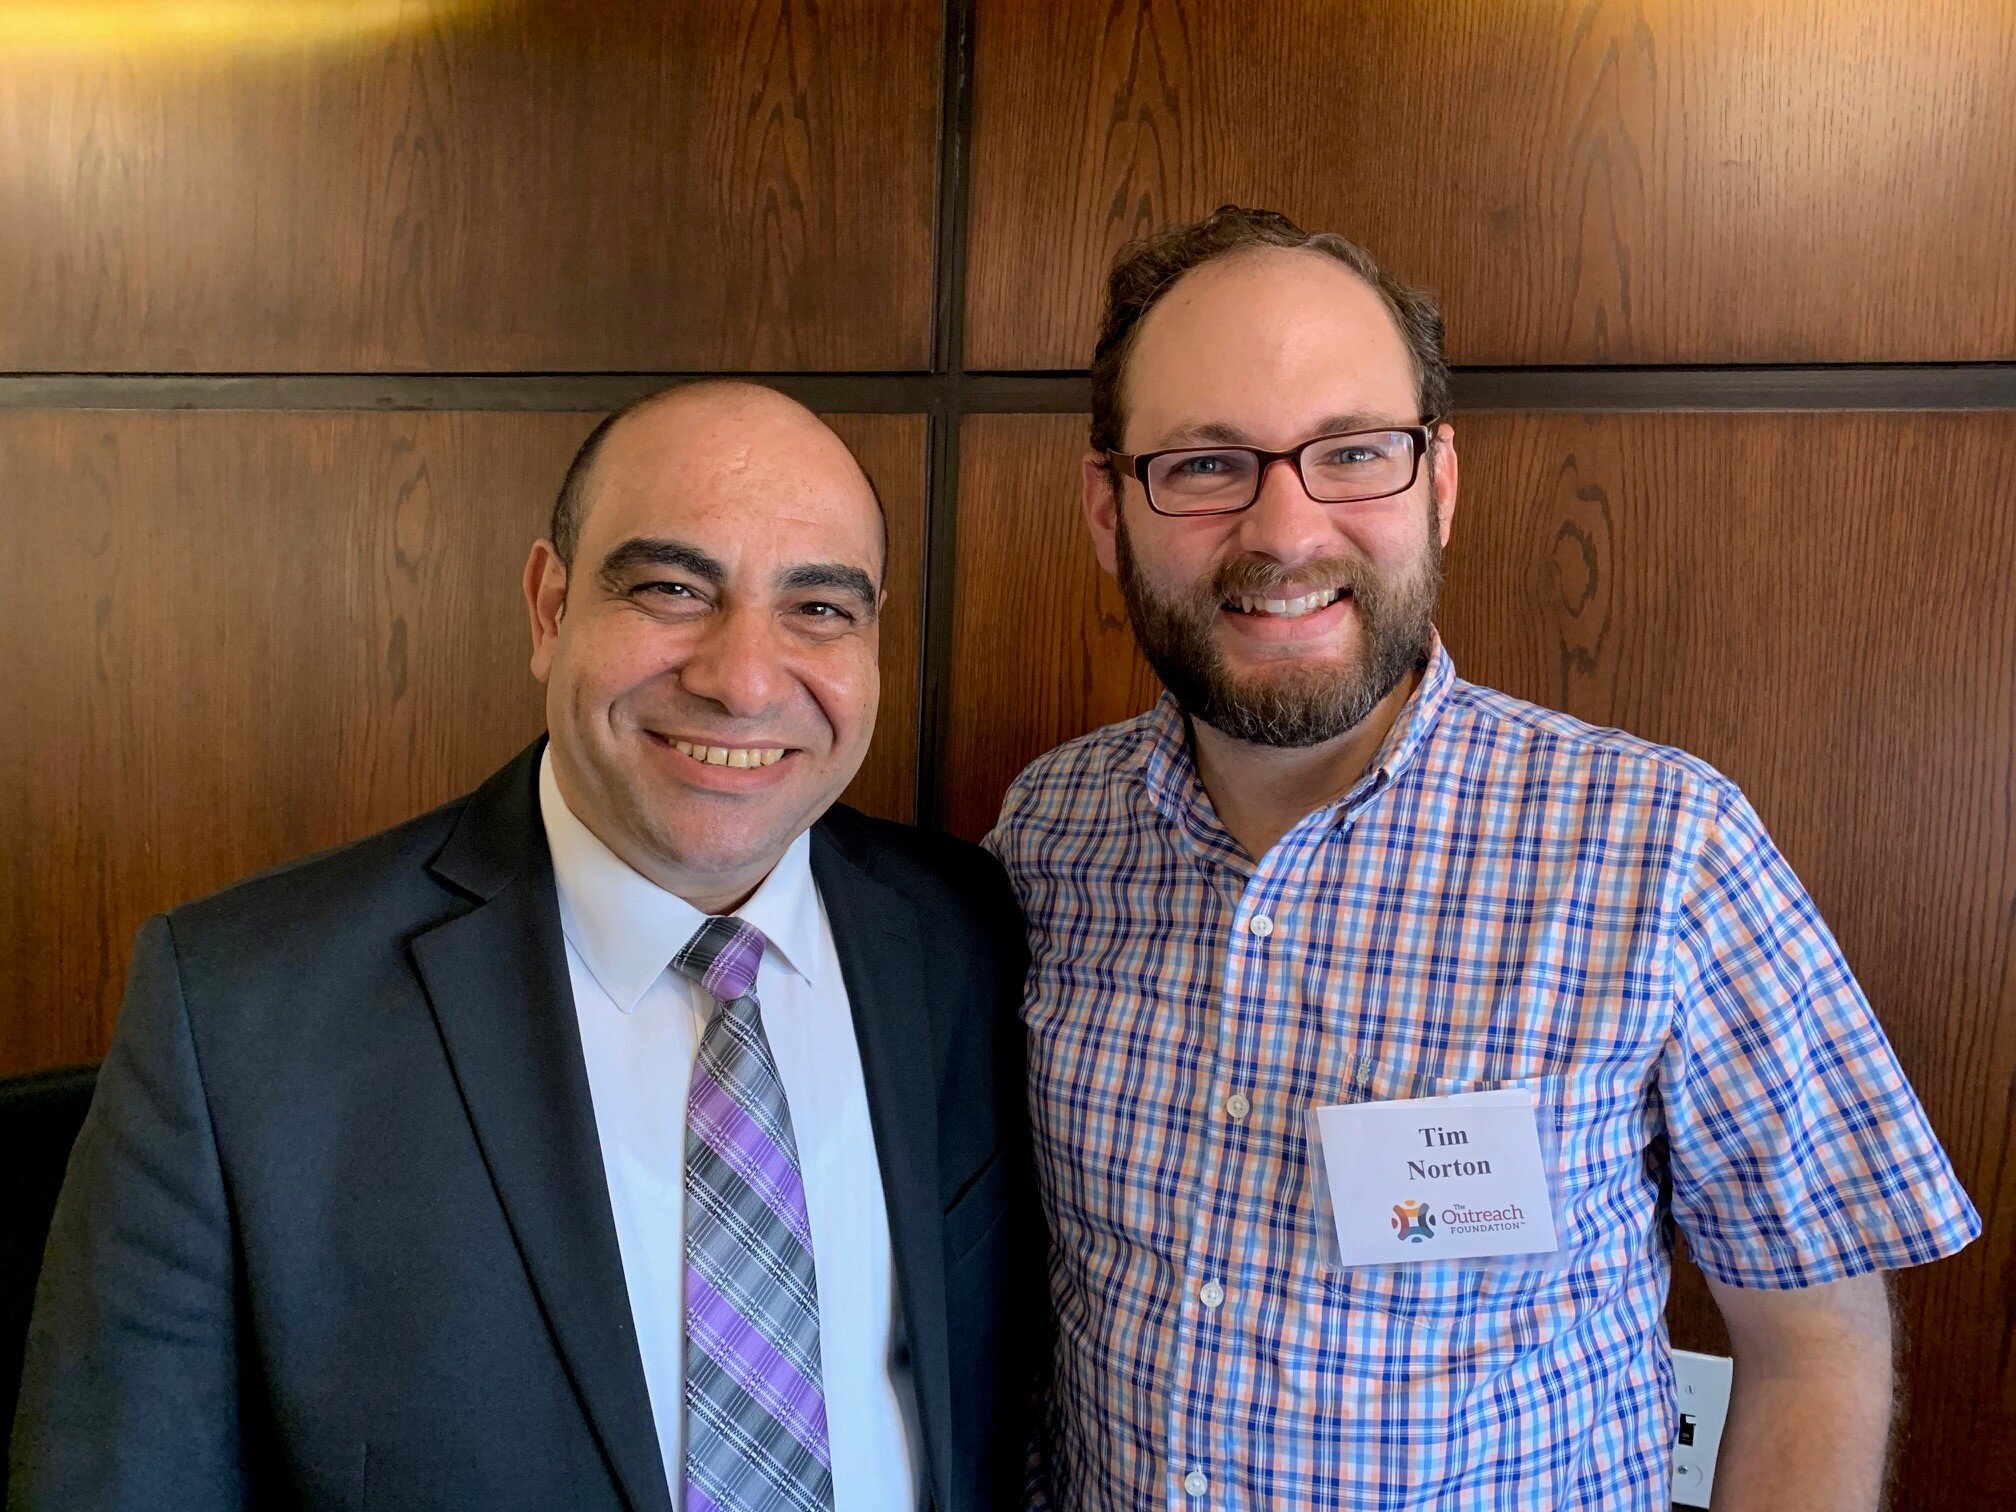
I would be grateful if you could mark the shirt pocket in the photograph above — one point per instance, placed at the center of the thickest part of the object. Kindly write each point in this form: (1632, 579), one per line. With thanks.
(1435, 1295)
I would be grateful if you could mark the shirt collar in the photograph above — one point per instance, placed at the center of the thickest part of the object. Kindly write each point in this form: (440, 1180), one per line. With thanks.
(1418, 715)
(626, 928)
(1170, 773)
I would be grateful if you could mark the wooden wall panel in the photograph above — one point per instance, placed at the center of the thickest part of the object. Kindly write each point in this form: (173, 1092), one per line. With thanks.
(1041, 651)
(1582, 181)
(1816, 603)
(483, 185)
(234, 639)
(892, 449)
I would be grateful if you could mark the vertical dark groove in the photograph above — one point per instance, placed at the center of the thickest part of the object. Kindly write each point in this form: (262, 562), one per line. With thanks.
(948, 345)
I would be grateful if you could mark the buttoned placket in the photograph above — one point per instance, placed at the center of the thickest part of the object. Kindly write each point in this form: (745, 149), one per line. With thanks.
(1261, 906)
(1261, 943)
(1258, 899)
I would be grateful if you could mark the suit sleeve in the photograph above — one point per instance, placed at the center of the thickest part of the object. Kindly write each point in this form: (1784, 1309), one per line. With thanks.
(129, 1390)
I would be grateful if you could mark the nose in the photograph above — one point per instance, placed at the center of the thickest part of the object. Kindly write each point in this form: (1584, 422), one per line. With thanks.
(1283, 521)
(737, 664)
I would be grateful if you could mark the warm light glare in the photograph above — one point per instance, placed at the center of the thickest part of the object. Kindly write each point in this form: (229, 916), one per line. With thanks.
(136, 25)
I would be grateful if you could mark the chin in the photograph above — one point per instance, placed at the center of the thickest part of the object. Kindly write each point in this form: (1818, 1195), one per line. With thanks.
(1290, 670)
(722, 849)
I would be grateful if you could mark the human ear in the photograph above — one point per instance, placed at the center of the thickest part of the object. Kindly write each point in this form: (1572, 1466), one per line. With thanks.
(1443, 478)
(545, 588)
(1099, 497)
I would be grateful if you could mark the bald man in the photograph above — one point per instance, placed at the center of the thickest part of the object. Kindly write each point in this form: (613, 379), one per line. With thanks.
(643, 1130)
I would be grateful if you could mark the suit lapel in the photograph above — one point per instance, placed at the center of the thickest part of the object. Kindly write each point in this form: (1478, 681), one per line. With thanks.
(498, 983)
(880, 945)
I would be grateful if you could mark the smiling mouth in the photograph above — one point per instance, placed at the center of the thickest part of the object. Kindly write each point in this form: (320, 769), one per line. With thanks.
(1260, 606)
(738, 757)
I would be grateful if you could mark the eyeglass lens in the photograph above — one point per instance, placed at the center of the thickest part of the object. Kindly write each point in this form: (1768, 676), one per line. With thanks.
(1335, 470)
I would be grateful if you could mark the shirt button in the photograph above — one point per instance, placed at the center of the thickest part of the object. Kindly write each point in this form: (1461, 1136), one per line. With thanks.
(1236, 1105)
(1261, 925)
(1211, 1294)
(1195, 1483)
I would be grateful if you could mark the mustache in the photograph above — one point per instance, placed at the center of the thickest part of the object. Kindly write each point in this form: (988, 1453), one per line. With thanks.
(1258, 574)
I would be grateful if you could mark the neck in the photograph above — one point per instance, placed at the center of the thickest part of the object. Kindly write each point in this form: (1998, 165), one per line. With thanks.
(710, 898)
(711, 893)
(1262, 792)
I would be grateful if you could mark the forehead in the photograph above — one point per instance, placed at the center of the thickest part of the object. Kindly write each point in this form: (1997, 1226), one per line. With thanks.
(756, 484)
(1268, 340)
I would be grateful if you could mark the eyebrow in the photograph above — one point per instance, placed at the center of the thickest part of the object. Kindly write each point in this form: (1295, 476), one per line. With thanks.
(834, 575)
(654, 551)
(1220, 433)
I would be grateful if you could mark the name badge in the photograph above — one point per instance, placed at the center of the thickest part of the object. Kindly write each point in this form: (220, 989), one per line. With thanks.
(1437, 1178)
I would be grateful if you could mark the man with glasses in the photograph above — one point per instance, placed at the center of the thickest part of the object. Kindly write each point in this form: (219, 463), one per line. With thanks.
(1380, 1022)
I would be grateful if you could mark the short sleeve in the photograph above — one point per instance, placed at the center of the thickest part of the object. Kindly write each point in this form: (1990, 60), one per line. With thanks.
(1000, 841)
(1799, 1152)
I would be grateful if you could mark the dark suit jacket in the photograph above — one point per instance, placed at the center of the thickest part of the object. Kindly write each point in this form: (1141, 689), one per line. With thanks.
(336, 1233)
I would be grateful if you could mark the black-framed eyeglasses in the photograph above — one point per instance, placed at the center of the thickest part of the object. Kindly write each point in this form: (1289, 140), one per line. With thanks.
(1351, 467)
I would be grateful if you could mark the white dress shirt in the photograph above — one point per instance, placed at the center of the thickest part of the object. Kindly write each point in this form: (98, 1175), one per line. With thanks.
(641, 1024)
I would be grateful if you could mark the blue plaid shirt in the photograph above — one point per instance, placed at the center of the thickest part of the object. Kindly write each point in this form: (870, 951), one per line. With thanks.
(1508, 894)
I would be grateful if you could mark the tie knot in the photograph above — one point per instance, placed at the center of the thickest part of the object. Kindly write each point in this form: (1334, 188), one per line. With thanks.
(722, 956)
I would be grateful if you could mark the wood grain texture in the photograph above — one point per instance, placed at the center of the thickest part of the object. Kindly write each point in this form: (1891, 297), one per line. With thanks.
(736, 186)
(236, 639)
(1604, 181)
(892, 449)
(1041, 651)
(1817, 604)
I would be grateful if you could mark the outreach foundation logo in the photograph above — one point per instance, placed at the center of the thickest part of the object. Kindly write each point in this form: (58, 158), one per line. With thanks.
(1413, 1220)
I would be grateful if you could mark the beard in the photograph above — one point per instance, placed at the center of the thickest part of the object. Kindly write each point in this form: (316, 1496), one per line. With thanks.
(1293, 706)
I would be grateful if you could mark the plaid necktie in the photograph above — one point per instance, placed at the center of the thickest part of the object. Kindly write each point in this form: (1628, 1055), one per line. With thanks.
(755, 1403)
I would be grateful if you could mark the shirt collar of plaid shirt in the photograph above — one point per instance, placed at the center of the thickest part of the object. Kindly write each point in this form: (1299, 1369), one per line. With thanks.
(1169, 772)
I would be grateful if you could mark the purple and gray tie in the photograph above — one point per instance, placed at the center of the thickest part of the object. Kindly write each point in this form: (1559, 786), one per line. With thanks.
(755, 1403)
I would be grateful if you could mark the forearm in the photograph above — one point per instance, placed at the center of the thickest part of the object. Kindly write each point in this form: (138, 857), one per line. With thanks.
(1811, 1407)
(1814, 1440)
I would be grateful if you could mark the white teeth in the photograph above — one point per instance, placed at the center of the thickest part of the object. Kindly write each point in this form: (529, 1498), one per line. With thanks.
(738, 757)
(1293, 608)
